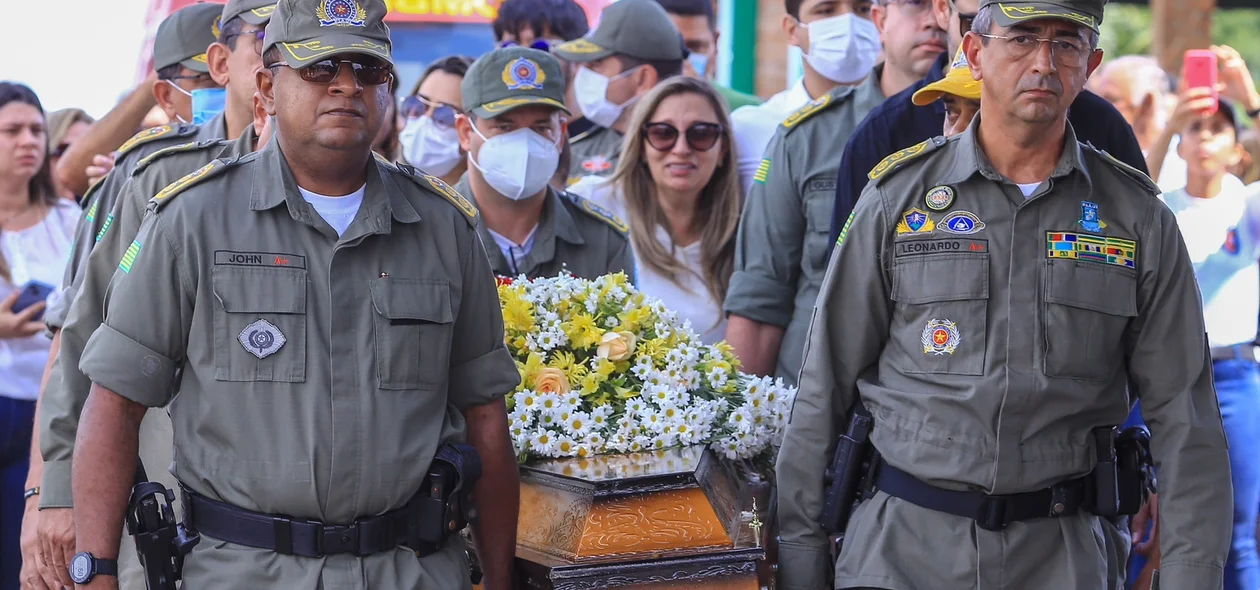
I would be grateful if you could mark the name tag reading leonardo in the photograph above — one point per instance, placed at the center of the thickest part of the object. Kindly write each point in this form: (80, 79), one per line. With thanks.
(947, 246)
(229, 257)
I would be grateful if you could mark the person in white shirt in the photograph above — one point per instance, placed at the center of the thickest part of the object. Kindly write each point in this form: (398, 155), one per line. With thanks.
(678, 188)
(36, 227)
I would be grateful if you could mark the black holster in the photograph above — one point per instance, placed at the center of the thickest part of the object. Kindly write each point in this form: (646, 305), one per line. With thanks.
(1125, 473)
(848, 478)
(448, 501)
(161, 541)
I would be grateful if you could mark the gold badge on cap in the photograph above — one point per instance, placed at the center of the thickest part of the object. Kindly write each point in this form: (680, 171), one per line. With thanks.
(340, 13)
(214, 27)
(939, 198)
(523, 74)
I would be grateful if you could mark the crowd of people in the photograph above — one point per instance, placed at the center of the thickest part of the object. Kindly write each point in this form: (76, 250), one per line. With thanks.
(269, 216)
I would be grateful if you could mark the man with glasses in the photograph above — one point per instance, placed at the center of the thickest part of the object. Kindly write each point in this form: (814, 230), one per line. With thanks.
(512, 132)
(781, 251)
(323, 383)
(898, 124)
(992, 296)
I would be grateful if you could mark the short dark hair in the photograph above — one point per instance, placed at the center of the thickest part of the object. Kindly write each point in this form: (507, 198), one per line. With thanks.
(272, 58)
(793, 8)
(665, 68)
(565, 18)
(692, 8)
(232, 27)
(170, 72)
(455, 65)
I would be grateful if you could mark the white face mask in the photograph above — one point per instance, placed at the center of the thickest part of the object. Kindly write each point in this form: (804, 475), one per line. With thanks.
(517, 164)
(843, 48)
(591, 89)
(429, 146)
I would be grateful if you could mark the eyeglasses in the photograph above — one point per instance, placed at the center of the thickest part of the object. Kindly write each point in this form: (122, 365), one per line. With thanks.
(371, 73)
(418, 106)
(912, 7)
(701, 137)
(1069, 53)
(964, 19)
(199, 77)
(258, 39)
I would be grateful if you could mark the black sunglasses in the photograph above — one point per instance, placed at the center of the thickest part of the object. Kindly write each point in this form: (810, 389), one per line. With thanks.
(539, 44)
(420, 105)
(369, 73)
(964, 19)
(258, 39)
(701, 137)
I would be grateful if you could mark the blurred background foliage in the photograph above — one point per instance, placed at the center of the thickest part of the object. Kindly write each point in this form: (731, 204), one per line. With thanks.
(1127, 30)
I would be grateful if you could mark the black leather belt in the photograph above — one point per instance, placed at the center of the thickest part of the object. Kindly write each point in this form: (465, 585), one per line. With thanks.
(1244, 352)
(292, 536)
(991, 512)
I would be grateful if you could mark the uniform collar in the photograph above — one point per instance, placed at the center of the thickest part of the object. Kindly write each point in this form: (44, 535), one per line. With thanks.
(970, 159)
(554, 222)
(215, 128)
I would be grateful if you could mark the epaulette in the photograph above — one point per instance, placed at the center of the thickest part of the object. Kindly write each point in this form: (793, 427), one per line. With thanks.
(583, 135)
(437, 185)
(168, 194)
(590, 208)
(1130, 171)
(191, 146)
(899, 158)
(153, 134)
(810, 109)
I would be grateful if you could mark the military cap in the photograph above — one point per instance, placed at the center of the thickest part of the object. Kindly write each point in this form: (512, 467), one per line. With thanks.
(307, 31)
(184, 36)
(1081, 12)
(957, 81)
(635, 28)
(254, 12)
(512, 77)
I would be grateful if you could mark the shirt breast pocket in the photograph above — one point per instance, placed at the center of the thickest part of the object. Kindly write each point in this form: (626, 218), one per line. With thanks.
(259, 324)
(941, 317)
(1087, 307)
(413, 324)
(819, 203)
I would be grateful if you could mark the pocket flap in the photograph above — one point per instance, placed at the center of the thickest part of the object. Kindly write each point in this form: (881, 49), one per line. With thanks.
(941, 277)
(423, 300)
(245, 289)
(1093, 286)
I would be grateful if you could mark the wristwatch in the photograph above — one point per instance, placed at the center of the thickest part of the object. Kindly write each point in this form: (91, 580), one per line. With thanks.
(85, 566)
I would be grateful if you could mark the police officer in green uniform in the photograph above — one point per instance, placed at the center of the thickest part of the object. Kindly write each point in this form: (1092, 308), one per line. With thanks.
(635, 46)
(781, 249)
(515, 101)
(318, 376)
(990, 298)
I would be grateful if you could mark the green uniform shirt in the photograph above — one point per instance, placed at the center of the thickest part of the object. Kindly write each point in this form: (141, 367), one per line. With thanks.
(316, 375)
(100, 199)
(594, 153)
(574, 235)
(781, 248)
(988, 334)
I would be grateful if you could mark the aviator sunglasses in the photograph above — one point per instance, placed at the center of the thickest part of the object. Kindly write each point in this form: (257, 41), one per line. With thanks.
(701, 137)
(369, 72)
(419, 105)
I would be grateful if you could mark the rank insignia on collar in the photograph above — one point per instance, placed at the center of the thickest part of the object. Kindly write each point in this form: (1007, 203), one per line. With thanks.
(940, 337)
(915, 221)
(1089, 217)
(939, 198)
(261, 338)
(961, 222)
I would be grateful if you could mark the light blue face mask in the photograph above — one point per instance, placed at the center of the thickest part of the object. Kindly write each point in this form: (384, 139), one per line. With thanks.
(699, 62)
(207, 103)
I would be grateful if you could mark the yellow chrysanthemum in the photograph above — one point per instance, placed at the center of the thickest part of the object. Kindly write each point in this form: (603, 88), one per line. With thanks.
(582, 331)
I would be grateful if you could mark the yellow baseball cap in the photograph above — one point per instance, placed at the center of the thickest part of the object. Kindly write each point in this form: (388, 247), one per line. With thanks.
(957, 81)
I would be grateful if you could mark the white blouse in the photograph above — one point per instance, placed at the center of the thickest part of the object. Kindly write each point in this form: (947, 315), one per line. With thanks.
(36, 253)
(690, 299)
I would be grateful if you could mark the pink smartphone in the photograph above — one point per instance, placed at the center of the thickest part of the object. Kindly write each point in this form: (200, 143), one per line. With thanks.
(1199, 71)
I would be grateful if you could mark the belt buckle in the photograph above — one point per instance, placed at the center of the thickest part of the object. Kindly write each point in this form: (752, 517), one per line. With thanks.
(338, 539)
(992, 513)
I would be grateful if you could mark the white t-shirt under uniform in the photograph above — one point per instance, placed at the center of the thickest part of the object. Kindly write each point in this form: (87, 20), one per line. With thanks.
(37, 253)
(338, 212)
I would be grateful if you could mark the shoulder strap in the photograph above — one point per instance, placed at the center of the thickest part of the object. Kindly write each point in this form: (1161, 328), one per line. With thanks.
(1128, 170)
(174, 189)
(898, 159)
(191, 146)
(590, 208)
(434, 184)
(154, 134)
(809, 110)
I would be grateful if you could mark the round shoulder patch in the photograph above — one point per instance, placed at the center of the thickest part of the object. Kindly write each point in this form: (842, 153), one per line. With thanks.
(939, 198)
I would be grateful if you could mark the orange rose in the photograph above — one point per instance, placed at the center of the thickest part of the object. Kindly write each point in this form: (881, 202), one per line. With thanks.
(616, 346)
(551, 381)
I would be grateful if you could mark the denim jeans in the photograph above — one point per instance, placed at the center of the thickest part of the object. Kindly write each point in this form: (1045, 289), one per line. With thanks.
(17, 418)
(1238, 392)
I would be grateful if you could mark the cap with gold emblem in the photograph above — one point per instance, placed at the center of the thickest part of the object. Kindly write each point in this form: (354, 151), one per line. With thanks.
(254, 12)
(957, 81)
(513, 77)
(307, 31)
(635, 28)
(1082, 12)
(184, 36)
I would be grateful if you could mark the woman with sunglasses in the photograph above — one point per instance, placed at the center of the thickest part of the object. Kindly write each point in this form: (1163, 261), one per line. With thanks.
(678, 186)
(428, 138)
(64, 128)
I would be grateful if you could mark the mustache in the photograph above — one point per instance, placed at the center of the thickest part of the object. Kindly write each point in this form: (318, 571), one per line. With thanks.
(1047, 83)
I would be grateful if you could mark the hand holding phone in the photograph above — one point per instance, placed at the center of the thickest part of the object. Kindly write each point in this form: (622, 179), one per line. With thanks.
(22, 310)
(1199, 70)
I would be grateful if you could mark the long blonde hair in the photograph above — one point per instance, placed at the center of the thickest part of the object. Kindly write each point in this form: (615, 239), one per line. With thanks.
(720, 200)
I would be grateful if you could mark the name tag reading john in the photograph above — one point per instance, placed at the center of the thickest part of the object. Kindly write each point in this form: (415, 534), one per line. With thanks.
(229, 257)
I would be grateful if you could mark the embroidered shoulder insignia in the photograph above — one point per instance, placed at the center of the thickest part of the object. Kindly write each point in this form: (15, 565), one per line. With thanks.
(168, 194)
(191, 146)
(437, 185)
(807, 111)
(583, 135)
(153, 134)
(599, 213)
(1128, 170)
(900, 157)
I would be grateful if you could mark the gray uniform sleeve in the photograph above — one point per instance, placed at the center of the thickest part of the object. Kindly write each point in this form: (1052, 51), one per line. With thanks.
(481, 369)
(623, 260)
(846, 336)
(1170, 365)
(65, 395)
(769, 244)
(148, 314)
